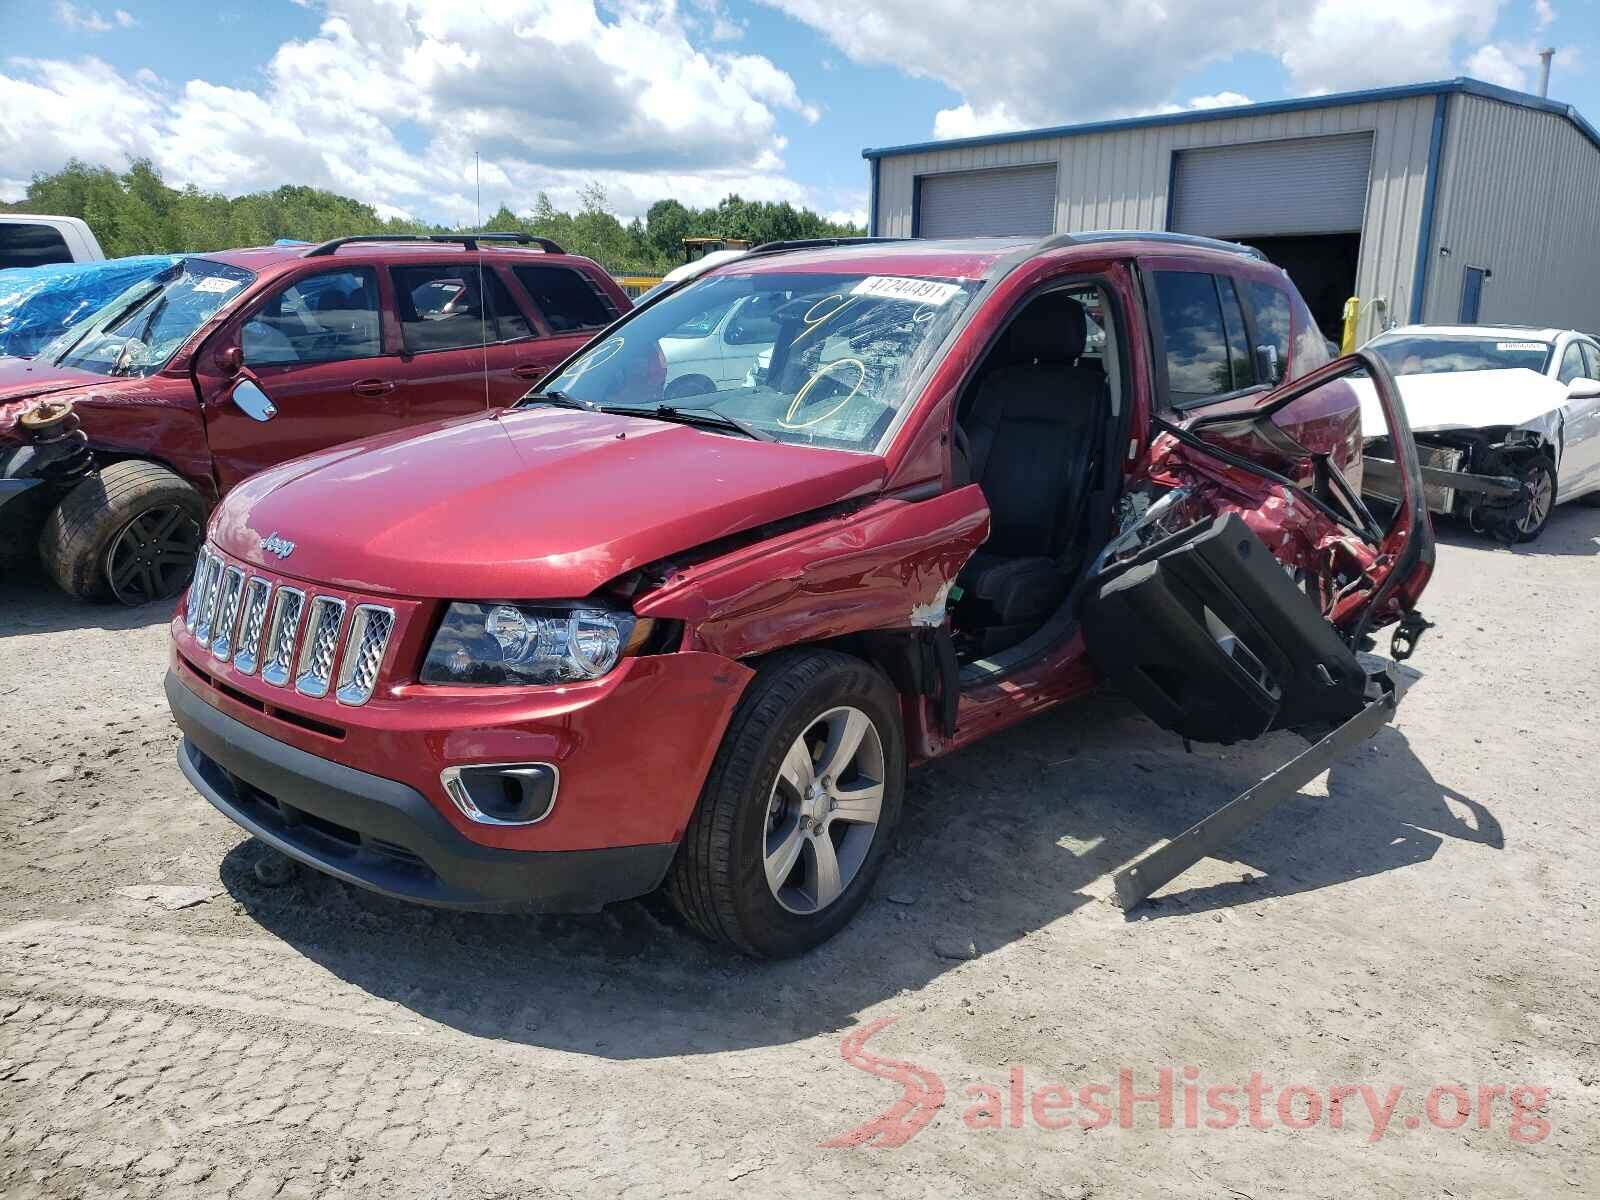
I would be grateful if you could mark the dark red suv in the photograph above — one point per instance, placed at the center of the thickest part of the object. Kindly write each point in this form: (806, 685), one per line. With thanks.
(629, 633)
(227, 363)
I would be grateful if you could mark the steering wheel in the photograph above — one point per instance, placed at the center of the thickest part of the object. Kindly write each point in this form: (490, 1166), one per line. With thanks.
(824, 374)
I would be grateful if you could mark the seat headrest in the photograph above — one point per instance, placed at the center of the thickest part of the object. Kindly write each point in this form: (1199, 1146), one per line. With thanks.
(1050, 330)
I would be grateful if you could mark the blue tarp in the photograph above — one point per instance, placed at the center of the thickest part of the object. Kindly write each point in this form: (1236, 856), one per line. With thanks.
(36, 303)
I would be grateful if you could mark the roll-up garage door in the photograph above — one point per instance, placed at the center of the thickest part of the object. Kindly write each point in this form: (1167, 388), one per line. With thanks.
(998, 201)
(1261, 189)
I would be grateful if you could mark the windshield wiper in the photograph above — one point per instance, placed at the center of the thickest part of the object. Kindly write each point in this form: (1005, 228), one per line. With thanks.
(708, 418)
(559, 399)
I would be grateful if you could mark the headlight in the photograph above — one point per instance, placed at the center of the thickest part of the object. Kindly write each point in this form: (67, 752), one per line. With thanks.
(522, 644)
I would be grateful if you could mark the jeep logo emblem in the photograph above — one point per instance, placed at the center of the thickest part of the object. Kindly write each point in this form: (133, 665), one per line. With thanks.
(273, 544)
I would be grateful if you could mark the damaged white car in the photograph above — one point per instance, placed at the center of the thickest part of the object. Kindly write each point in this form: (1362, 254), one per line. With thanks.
(1506, 420)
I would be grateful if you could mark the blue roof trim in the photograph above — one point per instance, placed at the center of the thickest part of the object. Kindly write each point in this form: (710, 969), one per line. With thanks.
(1463, 86)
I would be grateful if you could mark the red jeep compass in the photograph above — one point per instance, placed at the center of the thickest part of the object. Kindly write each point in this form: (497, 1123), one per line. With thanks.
(634, 632)
(226, 363)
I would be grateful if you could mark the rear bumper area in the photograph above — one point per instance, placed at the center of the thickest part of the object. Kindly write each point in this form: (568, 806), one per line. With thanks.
(383, 835)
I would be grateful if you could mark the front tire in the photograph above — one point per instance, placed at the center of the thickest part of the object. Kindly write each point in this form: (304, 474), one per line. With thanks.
(128, 533)
(1540, 474)
(799, 808)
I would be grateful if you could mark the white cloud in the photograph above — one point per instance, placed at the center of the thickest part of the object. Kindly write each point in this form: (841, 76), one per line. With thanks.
(89, 20)
(1543, 13)
(1053, 61)
(1496, 64)
(390, 98)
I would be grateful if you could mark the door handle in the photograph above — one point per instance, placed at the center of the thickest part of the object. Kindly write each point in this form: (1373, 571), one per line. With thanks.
(372, 387)
(528, 370)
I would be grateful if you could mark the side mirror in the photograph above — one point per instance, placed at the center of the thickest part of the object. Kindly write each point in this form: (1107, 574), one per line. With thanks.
(1267, 363)
(1583, 389)
(252, 401)
(231, 360)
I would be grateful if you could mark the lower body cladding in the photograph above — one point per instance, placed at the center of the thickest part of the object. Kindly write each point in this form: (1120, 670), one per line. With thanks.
(542, 838)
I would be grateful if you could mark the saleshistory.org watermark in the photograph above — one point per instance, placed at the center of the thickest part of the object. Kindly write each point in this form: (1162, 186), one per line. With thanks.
(1178, 1097)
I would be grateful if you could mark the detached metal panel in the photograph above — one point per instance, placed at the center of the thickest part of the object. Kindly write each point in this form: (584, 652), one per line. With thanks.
(1518, 198)
(1267, 189)
(994, 201)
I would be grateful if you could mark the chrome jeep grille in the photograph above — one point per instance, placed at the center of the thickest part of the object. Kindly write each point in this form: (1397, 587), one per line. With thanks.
(208, 600)
(257, 623)
(227, 612)
(250, 625)
(282, 636)
(320, 647)
(370, 627)
(196, 586)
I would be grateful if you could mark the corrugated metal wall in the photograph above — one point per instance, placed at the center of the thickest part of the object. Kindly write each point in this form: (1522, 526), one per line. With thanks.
(1120, 179)
(1519, 193)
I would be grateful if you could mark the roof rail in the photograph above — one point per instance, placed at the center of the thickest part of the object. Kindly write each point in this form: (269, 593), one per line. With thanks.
(784, 247)
(468, 241)
(1056, 241)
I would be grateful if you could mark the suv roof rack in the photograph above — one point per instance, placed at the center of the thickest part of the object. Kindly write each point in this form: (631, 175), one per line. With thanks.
(784, 247)
(468, 241)
(1090, 236)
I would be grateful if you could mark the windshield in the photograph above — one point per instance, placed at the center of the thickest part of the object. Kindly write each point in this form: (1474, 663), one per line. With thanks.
(1422, 354)
(818, 359)
(139, 331)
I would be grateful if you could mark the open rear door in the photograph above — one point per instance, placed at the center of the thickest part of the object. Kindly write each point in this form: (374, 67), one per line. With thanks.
(1196, 620)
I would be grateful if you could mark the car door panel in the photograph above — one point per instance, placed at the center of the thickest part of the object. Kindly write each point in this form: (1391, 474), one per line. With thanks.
(1192, 610)
(326, 317)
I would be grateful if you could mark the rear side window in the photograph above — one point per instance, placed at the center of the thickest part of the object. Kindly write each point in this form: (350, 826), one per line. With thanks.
(31, 245)
(1269, 307)
(567, 298)
(455, 305)
(1204, 357)
(320, 318)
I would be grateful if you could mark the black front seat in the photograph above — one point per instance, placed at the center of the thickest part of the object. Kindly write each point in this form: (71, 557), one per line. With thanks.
(1032, 429)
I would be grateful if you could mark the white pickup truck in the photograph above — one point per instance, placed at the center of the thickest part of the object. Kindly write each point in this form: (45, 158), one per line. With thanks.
(27, 240)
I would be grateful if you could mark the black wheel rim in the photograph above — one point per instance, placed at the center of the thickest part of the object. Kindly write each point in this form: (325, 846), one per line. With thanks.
(152, 556)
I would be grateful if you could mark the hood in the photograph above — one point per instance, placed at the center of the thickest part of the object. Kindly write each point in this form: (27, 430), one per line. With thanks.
(24, 380)
(538, 504)
(1465, 400)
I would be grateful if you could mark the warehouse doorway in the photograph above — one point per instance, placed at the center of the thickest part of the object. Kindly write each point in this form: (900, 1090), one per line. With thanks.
(1323, 267)
(1301, 201)
(993, 202)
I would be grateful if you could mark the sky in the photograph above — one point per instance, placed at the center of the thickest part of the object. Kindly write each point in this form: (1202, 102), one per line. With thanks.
(388, 100)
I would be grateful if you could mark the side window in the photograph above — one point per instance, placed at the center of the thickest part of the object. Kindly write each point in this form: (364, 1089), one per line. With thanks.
(1591, 355)
(1572, 364)
(568, 300)
(1195, 341)
(1269, 306)
(449, 306)
(1243, 374)
(318, 318)
(751, 328)
(24, 245)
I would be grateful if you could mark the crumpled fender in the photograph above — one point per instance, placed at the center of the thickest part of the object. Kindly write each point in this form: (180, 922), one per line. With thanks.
(888, 565)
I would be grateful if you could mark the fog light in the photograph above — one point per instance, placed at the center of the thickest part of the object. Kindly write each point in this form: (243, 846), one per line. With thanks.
(502, 793)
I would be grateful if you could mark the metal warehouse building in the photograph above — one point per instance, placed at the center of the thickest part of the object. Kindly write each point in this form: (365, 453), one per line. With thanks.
(1451, 201)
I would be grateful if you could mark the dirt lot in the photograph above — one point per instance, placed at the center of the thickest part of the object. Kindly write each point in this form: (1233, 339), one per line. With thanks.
(1424, 915)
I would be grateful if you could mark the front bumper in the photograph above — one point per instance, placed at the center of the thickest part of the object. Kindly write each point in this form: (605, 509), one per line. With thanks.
(384, 835)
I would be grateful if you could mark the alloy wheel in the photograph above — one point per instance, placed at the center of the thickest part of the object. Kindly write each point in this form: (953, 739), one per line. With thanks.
(152, 556)
(823, 813)
(1544, 490)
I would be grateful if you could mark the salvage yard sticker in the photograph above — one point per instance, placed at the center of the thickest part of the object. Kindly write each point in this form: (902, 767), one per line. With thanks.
(912, 291)
(216, 283)
(1519, 346)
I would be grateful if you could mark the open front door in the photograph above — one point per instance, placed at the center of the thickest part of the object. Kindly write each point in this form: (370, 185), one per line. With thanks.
(1193, 616)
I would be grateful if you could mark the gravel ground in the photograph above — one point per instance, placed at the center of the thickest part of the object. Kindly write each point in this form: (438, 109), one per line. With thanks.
(1422, 916)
